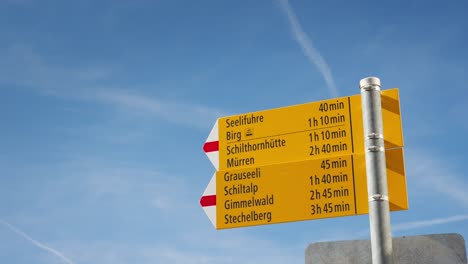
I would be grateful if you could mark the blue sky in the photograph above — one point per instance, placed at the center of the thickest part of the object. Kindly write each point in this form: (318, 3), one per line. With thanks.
(105, 106)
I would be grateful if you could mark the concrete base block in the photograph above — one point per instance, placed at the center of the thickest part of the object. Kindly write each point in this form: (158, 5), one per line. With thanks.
(425, 249)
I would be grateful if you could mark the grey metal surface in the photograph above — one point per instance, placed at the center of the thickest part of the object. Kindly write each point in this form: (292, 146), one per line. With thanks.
(424, 249)
(379, 208)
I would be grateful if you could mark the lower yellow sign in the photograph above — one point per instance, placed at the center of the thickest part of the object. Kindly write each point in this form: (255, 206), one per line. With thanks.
(304, 190)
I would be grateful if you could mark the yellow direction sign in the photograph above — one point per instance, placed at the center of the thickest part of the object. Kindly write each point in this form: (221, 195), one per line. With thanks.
(301, 132)
(303, 190)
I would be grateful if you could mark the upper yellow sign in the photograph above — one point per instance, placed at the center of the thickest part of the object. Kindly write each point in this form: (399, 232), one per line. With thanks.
(301, 132)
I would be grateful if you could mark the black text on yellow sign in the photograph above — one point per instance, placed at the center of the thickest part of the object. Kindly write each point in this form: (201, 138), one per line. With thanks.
(301, 132)
(304, 190)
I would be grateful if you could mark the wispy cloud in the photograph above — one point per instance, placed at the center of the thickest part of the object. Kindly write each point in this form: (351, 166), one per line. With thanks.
(429, 223)
(163, 192)
(437, 174)
(396, 227)
(37, 243)
(405, 226)
(101, 182)
(183, 113)
(203, 247)
(24, 67)
(312, 53)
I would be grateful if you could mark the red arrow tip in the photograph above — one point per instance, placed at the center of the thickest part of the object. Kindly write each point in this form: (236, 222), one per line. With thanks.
(211, 146)
(208, 200)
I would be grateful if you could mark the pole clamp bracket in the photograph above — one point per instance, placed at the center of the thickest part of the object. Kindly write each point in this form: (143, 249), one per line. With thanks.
(370, 87)
(378, 198)
(375, 149)
(375, 136)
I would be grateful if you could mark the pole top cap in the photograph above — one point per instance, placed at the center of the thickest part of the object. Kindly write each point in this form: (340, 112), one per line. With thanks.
(369, 81)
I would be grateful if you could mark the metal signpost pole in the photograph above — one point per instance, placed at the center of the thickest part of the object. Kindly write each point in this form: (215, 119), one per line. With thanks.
(379, 211)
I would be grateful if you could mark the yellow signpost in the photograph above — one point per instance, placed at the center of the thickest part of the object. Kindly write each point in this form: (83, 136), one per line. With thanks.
(299, 162)
(303, 190)
(301, 132)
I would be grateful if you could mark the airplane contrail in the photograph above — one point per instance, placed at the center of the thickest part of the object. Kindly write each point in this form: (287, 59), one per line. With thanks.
(312, 54)
(37, 243)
